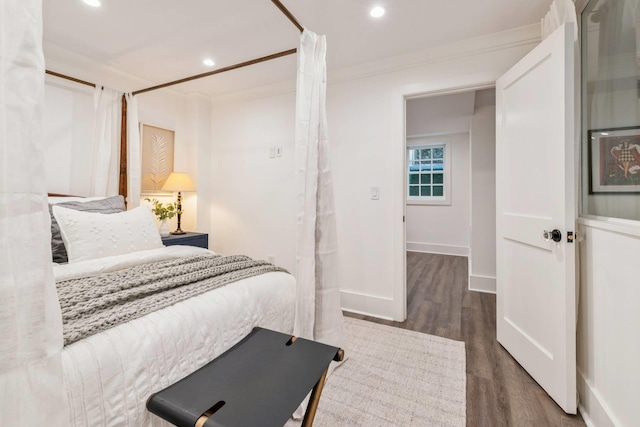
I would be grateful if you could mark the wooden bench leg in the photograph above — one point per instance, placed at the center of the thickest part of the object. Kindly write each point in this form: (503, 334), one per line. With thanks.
(314, 400)
(307, 421)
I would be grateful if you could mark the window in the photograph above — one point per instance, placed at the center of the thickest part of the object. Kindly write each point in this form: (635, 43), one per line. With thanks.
(610, 110)
(428, 173)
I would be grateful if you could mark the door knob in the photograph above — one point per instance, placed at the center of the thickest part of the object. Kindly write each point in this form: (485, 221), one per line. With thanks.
(554, 235)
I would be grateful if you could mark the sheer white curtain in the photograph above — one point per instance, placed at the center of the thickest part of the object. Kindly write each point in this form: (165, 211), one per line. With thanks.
(31, 383)
(134, 153)
(318, 312)
(106, 142)
(561, 11)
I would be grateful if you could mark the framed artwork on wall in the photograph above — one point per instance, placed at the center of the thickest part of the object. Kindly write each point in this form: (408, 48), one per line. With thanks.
(157, 157)
(614, 160)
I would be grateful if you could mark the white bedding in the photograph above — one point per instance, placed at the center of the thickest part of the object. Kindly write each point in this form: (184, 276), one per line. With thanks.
(110, 375)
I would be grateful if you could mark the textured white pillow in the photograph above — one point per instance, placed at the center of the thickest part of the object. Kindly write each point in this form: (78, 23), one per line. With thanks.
(88, 235)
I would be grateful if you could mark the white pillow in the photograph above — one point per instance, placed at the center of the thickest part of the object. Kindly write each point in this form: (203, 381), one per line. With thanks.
(88, 235)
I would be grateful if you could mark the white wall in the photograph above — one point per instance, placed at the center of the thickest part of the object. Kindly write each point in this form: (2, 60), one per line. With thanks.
(482, 259)
(172, 112)
(67, 131)
(609, 325)
(68, 127)
(254, 197)
(199, 117)
(444, 229)
(444, 114)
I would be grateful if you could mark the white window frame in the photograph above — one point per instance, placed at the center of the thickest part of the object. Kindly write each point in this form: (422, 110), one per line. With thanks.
(414, 143)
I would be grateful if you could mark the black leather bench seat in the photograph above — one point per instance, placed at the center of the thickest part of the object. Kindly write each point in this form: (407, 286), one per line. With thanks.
(258, 382)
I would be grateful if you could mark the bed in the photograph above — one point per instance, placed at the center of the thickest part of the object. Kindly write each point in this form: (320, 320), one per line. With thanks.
(110, 374)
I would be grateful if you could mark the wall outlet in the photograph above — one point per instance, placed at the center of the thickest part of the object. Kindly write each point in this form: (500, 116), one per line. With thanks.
(272, 152)
(278, 151)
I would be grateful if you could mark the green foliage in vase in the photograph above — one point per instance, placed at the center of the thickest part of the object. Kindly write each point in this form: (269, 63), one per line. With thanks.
(163, 211)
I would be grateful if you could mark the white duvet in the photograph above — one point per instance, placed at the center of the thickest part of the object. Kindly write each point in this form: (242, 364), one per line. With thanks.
(109, 376)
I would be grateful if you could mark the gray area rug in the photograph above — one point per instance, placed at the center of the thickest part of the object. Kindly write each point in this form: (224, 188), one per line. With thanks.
(395, 377)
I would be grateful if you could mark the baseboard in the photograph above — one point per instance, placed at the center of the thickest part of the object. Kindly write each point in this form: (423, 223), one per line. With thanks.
(482, 284)
(585, 415)
(438, 249)
(592, 407)
(367, 305)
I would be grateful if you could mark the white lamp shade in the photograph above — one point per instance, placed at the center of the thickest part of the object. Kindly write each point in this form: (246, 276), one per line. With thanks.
(178, 181)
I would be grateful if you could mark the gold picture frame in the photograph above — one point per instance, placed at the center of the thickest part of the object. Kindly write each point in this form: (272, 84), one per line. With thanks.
(157, 157)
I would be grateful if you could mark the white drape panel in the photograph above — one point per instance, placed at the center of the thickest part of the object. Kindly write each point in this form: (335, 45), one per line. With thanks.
(106, 142)
(318, 311)
(134, 153)
(31, 382)
(561, 11)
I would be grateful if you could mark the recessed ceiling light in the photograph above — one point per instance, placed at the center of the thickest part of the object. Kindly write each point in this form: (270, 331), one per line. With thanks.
(377, 12)
(209, 62)
(94, 3)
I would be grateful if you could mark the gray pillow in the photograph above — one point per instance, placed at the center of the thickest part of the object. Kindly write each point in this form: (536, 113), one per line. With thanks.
(109, 205)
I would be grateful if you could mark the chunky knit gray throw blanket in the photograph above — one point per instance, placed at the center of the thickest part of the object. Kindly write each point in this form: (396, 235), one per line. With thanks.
(93, 304)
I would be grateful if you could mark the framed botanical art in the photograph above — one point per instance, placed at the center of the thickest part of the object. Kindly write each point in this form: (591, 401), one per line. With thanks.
(614, 160)
(157, 157)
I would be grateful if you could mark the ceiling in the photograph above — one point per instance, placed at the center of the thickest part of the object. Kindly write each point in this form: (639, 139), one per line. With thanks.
(163, 40)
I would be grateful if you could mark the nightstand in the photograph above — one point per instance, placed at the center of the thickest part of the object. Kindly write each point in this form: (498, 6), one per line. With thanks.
(200, 240)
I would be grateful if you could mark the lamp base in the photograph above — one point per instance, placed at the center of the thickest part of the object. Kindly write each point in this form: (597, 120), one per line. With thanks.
(178, 231)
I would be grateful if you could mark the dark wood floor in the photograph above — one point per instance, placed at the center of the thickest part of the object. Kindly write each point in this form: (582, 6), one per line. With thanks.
(499, 391)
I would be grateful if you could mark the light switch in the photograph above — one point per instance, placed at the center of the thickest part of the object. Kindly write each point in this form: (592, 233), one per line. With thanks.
(375, 193)
(278, 151)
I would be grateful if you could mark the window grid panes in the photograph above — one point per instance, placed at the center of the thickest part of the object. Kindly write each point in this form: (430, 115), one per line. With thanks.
(426, 171)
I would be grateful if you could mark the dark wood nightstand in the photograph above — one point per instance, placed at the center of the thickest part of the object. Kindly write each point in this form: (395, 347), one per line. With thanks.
(200, 240)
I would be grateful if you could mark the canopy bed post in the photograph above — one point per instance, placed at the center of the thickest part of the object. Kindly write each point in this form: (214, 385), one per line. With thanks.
(218, 71)
(288, 14)
(122, 187)
(316, 285)
(122, 183)
(73, 79)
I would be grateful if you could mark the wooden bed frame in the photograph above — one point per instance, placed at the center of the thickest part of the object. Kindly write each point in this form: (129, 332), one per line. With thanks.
(122, 182)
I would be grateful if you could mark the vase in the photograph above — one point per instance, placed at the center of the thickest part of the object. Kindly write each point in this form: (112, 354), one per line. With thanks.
(164, 228)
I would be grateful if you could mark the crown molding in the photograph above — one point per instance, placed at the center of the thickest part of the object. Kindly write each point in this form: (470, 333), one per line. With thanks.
(64, 61)
(528, 35)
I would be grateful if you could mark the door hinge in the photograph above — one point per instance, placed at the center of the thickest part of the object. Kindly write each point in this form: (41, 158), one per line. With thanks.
(570, 237)
(402, 218)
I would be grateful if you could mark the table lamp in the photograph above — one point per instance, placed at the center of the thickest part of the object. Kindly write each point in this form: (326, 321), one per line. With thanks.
(178, 181)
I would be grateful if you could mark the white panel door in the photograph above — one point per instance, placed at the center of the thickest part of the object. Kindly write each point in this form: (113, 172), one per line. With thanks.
(535, 185)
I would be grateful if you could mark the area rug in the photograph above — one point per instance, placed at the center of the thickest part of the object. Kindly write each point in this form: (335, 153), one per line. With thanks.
(394, 377)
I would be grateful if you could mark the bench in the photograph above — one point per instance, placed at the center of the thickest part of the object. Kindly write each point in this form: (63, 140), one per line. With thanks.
(258, 382)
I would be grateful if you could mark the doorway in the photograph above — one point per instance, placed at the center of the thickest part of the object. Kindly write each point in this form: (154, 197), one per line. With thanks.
(450, 182)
